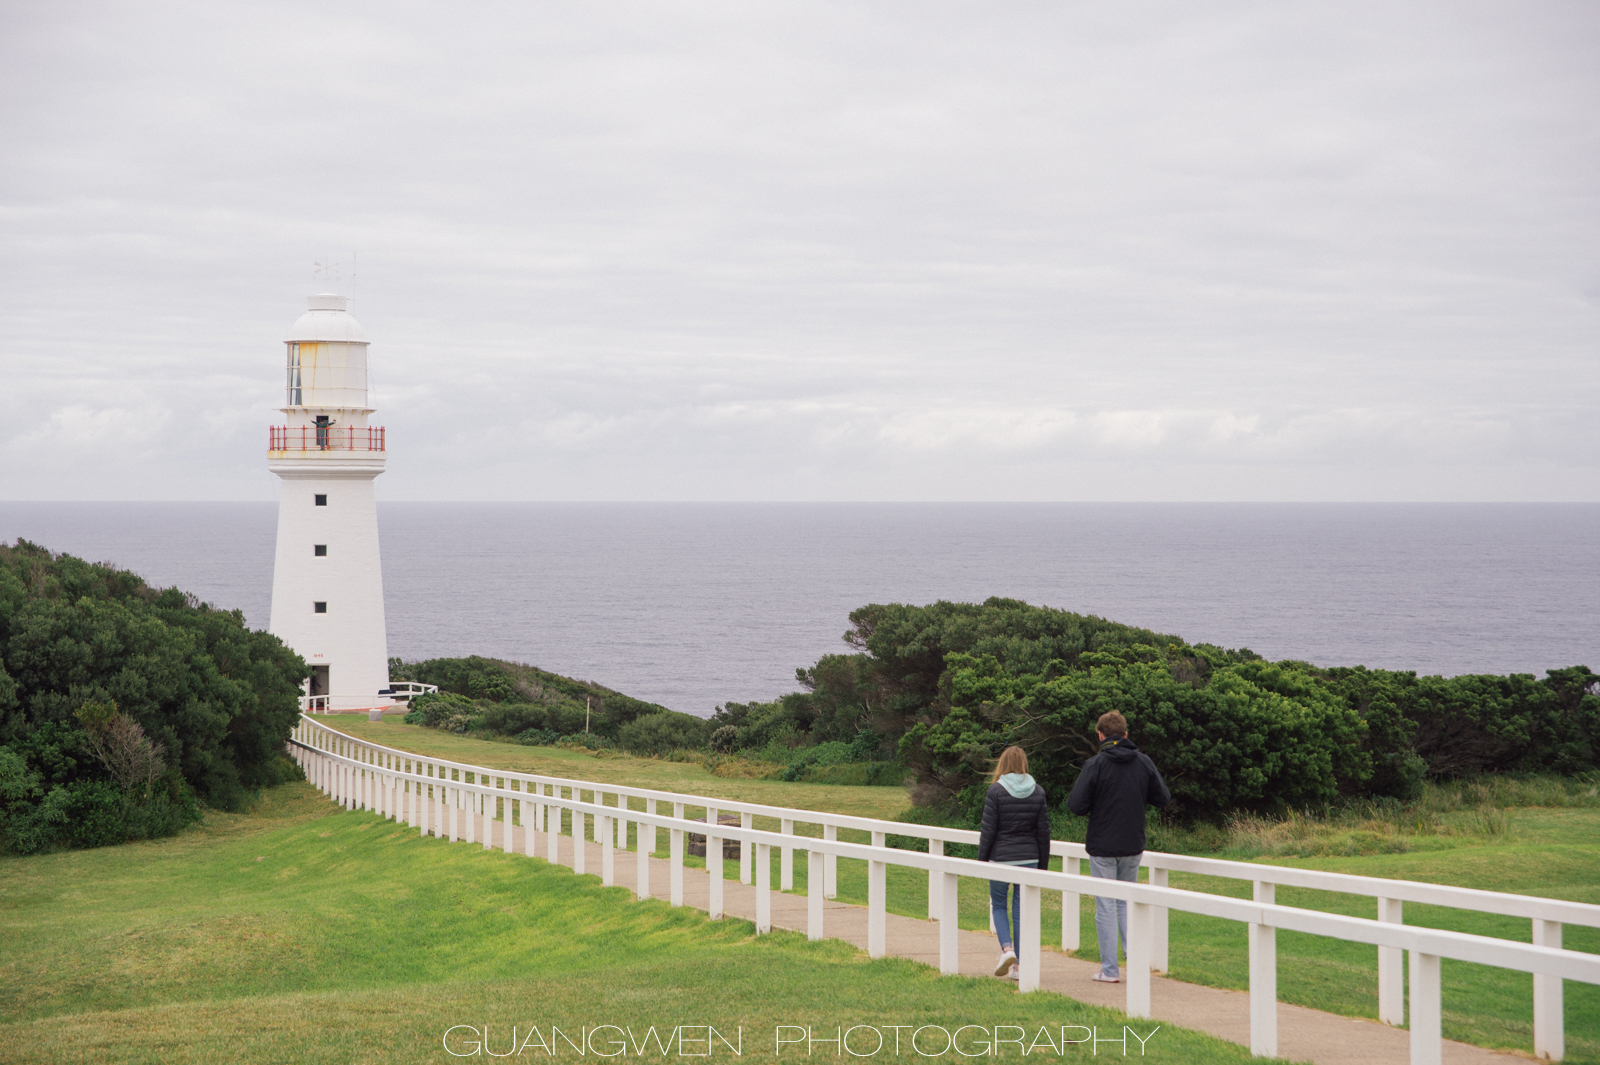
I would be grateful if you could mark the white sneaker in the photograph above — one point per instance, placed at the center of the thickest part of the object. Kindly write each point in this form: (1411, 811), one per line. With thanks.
(1008, 958)
(1104, 979)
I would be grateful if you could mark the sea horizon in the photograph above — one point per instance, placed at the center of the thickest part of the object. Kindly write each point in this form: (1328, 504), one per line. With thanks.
(693, 604)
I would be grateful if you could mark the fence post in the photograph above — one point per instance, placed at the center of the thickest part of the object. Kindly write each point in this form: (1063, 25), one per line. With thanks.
(552, 827)
(608, 870)
(675, 857)
(1031, 935)
(1391, 969)
(452, 797)
(1263, 978)
(1158, 924)
(510, 819)
(1137, 974)
(650, 808)
(786, 857)
(491, 807)
(815, 879)
(746, 852)
(935, 847)
(441, 796)
(877, 920)
(580, 834)
(949, 924)
(641, 884)
(714, 866)
(763, 888)
(1427, 1042)
(1549, 1036)
(830, 865)
(1071, 909)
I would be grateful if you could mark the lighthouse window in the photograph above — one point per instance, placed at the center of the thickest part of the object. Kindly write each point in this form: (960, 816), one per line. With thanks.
(319, 608)
(320, 550)
(322, 501)
(295, 389)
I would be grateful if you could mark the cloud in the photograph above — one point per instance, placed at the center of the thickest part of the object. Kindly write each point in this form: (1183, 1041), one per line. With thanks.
(813, 250)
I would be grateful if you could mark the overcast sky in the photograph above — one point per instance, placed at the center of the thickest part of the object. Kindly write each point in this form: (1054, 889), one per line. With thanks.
(812, 251)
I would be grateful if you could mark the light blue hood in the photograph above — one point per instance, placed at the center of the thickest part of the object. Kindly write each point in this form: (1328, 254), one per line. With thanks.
(1020, 785)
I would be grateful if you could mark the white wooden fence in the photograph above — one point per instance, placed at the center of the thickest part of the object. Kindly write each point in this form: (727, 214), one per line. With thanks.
(432, 794)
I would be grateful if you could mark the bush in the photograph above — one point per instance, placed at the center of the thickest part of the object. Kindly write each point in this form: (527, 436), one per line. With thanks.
(442, 710)
(569, 705)
(656, 734)
(212, 697)
(513, 719)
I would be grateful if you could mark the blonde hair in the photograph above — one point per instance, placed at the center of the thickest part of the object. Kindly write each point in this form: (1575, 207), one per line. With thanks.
(1011, 760)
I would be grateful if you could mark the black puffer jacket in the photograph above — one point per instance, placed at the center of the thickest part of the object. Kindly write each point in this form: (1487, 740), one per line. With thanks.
(1014, 830)
(1113, 789)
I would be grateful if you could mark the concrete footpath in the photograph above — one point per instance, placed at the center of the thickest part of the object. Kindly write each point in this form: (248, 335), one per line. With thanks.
(1303, 1034)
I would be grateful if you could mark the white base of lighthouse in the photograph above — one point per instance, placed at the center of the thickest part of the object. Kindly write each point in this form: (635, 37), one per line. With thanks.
(327, 578)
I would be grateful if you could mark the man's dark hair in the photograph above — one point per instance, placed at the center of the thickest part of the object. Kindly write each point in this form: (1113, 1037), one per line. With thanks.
(1112, 726)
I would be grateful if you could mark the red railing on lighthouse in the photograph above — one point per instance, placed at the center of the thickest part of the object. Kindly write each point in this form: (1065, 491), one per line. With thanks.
(324, 438)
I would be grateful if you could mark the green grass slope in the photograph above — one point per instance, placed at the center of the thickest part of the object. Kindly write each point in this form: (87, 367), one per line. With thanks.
(1548, 851)
(301, 933)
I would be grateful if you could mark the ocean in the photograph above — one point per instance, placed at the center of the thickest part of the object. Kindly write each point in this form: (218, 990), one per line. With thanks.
(695, 604)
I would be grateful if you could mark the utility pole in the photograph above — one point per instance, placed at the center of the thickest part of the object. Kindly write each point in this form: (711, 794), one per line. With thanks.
(585, 715)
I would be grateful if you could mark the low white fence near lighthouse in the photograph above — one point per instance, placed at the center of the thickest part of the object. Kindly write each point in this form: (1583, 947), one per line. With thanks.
(433, 795)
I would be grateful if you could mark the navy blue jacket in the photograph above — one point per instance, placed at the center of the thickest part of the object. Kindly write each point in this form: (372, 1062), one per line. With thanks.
(1014, 830)
(1113, 789)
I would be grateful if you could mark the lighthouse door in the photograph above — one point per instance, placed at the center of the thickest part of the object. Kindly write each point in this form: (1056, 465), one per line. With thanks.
(319, 680)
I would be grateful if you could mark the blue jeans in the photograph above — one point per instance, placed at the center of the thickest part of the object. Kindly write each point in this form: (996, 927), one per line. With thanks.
(1111, 915)
(998, 890)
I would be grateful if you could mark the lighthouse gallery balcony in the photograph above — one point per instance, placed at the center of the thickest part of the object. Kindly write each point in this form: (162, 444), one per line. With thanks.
(301, 438)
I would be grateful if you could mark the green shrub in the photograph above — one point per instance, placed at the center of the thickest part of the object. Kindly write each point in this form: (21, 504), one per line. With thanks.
(656, 734)
(442, 710)
(216, 697)
(513, 719)
(569, 705)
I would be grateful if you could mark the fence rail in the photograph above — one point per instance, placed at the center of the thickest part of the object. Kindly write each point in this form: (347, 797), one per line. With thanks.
(325, 438)
(431, 794)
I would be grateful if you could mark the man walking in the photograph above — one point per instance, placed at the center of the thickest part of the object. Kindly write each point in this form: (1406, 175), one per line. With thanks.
(1113, 790)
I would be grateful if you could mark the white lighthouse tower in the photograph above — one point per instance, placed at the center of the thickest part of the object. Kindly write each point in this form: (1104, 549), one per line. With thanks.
(327, 584)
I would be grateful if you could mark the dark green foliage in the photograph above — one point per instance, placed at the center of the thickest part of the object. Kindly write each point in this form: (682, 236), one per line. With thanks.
(1253, 736)
(215, 697)
(444, 710)
(514, 719)
(660, 733)
(947, 686)
(536, 707)
(492, 681)
(941, 689)
(1471, 724)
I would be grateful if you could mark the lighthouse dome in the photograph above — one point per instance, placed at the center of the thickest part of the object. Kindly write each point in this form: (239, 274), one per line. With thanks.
(327, 320)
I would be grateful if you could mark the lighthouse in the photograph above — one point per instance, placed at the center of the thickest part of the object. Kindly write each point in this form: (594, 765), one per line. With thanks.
(327, 582)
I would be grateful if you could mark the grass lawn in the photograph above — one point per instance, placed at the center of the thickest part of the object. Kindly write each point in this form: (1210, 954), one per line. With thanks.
(302, 933)
(1554, 852)
(623, 769)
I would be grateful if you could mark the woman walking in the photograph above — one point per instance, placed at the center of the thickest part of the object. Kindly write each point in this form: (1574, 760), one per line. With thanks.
(1016, 831)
